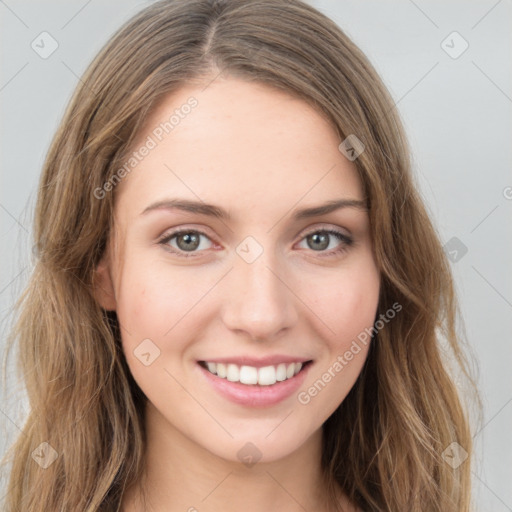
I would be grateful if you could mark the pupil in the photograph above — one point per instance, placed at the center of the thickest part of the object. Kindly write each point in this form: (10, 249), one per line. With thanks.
(191, 241)
(322, 239)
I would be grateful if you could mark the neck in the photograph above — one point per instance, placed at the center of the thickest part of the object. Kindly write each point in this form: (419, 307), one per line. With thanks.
(180, 475)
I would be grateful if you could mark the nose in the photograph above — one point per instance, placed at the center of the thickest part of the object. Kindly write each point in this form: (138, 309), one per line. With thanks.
(258, 299)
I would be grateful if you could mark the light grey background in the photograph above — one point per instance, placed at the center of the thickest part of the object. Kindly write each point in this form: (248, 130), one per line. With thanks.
(457, 113)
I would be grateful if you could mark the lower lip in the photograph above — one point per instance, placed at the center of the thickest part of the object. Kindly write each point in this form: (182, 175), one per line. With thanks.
(255, 395)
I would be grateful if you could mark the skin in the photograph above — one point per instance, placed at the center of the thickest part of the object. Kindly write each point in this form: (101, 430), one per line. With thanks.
(261, 154)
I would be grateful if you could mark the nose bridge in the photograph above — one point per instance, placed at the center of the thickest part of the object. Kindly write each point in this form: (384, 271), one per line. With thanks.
(257, 298)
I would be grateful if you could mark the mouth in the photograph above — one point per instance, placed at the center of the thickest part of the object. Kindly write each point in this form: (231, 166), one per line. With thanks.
(255, 376)
(255, 386)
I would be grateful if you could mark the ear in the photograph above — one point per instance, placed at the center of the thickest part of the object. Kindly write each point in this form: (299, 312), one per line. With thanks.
(103, 286)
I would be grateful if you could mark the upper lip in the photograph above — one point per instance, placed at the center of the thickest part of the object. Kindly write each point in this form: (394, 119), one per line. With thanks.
(258, 362)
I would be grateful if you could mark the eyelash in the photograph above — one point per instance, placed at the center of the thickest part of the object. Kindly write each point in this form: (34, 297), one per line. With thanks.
(346, 240)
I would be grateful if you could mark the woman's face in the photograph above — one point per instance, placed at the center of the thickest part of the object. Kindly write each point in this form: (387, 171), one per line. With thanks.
(256, 282)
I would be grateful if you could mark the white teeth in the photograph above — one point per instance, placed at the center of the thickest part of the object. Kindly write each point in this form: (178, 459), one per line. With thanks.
(248, 375)
(281, 372)
(264, 376)
(233, 373)
(221, 370)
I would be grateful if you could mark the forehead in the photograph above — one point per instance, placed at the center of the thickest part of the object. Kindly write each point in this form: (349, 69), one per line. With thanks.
(239, 143)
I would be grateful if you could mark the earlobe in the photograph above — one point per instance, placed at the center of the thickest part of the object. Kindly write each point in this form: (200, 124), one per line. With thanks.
(103, 286)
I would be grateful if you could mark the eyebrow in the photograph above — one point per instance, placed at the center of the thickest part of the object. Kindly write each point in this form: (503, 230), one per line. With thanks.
(211, 210)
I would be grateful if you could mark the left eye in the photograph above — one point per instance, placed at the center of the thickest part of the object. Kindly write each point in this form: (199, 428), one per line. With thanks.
(320, 241)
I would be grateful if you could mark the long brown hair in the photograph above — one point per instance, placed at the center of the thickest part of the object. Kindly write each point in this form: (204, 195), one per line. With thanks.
(384, 445)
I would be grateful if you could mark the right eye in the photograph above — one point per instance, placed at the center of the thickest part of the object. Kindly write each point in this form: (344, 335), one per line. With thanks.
(182, 241)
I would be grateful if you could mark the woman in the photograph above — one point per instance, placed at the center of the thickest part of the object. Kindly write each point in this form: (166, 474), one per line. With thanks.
(238, 295)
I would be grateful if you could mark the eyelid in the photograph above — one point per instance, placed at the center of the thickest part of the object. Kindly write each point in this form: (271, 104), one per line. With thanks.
(170, 232)
(325, 227)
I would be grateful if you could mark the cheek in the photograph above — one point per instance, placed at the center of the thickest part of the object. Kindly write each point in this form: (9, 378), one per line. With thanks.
(150, 303)
(140, 305)
(346, 302)
(357, 306)
(146, 309)
(151, 311)
(161, 306)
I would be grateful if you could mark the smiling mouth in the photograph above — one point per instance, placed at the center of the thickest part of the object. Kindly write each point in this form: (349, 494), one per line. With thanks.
(252, 376)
